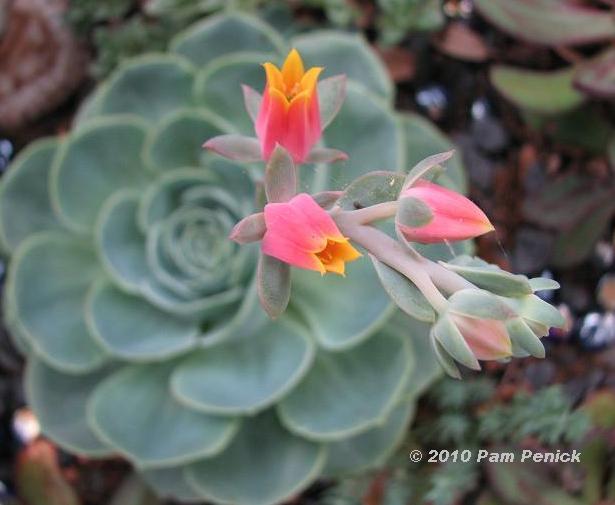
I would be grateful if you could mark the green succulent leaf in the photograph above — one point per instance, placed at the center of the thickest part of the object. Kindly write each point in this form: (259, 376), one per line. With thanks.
(379, 126)
(425, 369)
(96, 160)
(544, 92)
(348, 54)
(121, 243)
(25, 207)
(492, 279)
(404, 293)
(246, 374)
(134, 412)
(149, 87)
(47, 390)
(62, 268)
(176, 141)
(224, 35)
(370, 378)
(130, 328)
(370, 449)
(170, 483)
(336, 318)
(263, 465)
(216, 81)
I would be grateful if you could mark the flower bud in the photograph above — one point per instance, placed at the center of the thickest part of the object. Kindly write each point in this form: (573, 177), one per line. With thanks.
(487, 338)
(453, 216)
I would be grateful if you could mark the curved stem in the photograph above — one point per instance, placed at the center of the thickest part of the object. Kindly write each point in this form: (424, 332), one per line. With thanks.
(390, 252)
(372, 213)
(443, 278)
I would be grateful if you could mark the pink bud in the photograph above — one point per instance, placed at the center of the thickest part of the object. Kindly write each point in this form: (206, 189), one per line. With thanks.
(454, 217)
(487, 338)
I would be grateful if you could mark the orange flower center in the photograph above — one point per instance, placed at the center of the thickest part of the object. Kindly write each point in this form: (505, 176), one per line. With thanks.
(335, 255)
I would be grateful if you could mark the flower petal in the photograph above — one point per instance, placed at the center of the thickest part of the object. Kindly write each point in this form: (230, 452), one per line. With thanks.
(289, 252)
(317, 218)
(271, 122)
(292, 70)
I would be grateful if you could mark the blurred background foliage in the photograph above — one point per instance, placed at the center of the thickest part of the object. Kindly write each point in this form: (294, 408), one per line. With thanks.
(526, 91)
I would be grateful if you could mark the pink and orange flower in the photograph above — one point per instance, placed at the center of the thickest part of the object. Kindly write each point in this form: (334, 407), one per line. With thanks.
(301, 233)
(289, 113)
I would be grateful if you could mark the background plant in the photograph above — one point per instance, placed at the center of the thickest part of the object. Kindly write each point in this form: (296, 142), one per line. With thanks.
(568, 102)
(470, 415)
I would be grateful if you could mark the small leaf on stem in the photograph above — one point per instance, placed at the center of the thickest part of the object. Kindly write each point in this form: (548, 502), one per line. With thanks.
(413, 212)
(252, 100)
(280, 176)
(403, 292)
(326, 155)
(331, 95)
(235, 147)
(422, 168)
(249, 229)
(273, 285)
(450, 338)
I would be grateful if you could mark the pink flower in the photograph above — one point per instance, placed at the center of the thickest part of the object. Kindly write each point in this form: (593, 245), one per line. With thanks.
(301, 233)
(454, 217)
(289, 114)
(487, 338)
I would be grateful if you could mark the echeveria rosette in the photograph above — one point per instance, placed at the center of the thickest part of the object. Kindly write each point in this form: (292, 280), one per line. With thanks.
(159, 352)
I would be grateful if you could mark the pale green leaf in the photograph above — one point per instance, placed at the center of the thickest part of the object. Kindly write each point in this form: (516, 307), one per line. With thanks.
(264, 465)
(25, 207)
(370, 378)
(134, 412)
(248, 373)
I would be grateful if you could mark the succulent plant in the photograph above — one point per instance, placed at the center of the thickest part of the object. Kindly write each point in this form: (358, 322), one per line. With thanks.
(139, 317)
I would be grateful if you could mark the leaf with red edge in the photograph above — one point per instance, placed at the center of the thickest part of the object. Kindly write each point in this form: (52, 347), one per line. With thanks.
(553, 23)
